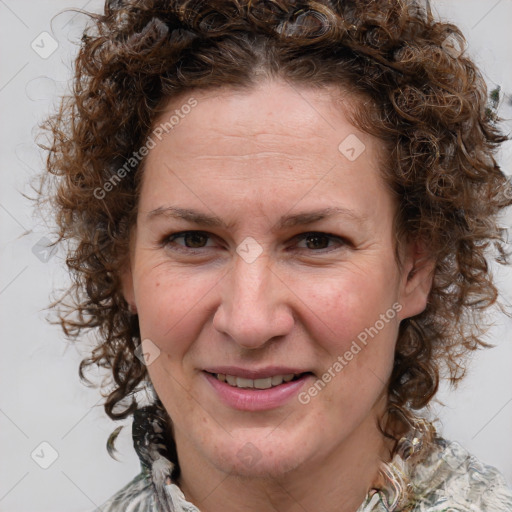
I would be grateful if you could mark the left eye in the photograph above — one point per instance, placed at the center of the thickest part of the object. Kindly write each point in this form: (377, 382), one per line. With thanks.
(319, 240)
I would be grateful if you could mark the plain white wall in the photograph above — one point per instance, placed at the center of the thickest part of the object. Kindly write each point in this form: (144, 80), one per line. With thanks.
(41, 398)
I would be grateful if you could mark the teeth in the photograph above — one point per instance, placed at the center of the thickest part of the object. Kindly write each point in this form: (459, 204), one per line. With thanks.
(263, 383)
(277, 379)
(244, 383)
(266, 383)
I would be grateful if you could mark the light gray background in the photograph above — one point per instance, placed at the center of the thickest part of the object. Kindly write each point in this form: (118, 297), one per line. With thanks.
(41, 398)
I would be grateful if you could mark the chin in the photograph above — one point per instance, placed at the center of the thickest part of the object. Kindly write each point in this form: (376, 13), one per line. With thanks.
(263, 458)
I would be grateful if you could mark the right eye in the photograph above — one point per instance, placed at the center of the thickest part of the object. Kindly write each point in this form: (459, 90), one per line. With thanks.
(194, 240)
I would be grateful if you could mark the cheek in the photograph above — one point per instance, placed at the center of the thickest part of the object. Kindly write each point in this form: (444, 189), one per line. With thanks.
(170, 307)
(355, 322)
(336, 307)
(342, 309)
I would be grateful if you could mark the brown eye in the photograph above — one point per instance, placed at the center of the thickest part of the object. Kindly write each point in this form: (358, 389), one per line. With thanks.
(320, 241)
(195, 240)
(192, 239)
(317, 241)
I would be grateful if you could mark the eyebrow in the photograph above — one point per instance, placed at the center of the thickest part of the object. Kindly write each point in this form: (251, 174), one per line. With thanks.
(285, 222)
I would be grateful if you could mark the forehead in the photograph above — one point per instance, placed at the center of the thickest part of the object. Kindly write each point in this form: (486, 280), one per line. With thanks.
(267, 140)
(272, 106)
(273, 115)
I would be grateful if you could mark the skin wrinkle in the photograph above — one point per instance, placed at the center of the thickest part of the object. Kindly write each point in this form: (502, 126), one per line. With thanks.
(193, 217)
(360, 245)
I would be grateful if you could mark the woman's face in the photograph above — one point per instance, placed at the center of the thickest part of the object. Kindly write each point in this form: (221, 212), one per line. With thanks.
(264, 243)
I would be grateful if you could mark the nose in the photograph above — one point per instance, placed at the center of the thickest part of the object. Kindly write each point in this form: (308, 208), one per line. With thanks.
(255, 306)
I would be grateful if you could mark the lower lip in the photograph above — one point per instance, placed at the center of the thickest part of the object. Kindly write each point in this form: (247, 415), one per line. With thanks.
(256, 399)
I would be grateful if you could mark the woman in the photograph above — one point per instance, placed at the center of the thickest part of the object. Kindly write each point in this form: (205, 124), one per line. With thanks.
(280, 216)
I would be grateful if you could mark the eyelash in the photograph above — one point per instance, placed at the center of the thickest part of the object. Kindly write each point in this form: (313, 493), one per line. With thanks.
(168, 239)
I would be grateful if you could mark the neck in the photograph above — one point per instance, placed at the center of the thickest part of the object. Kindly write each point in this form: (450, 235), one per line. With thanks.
(338, 482)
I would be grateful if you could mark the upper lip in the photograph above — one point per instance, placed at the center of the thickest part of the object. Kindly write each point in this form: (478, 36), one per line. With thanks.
(260, 373)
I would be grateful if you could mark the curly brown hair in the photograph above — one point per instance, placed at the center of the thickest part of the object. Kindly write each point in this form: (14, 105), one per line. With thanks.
(419, 93)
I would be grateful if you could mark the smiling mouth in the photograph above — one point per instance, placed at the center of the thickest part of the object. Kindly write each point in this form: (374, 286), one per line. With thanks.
(258, 384)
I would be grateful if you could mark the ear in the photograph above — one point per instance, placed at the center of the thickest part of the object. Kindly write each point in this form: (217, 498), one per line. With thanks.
(417, 277)
(126, 278)
(127, 288)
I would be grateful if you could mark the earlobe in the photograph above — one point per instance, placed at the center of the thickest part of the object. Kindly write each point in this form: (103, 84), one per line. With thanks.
(417, 279)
